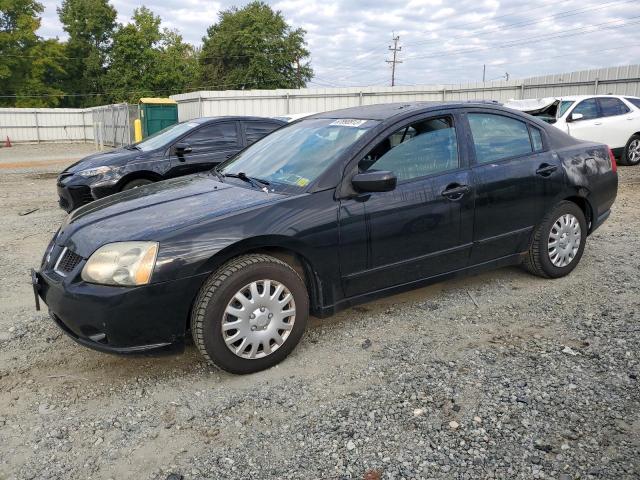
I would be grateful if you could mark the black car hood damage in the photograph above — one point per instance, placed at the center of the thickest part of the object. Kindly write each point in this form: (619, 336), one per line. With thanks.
(116, 157)
(150, 212)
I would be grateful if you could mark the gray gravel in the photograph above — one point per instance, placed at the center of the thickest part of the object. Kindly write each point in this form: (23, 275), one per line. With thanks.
(539, 380)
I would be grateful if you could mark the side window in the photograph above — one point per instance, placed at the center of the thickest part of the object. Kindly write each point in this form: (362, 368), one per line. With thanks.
(496, 137)
(254, 131)
(611, 107)
(633, 101)
(219, 135)
(417, 150)
(536, 139)
(588, 108)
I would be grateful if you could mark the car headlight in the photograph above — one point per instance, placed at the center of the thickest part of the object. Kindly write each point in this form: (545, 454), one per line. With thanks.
(121, 263)
(92, 172)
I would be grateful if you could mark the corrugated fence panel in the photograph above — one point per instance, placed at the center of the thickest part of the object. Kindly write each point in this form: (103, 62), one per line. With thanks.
(623, 80)
(43, 124)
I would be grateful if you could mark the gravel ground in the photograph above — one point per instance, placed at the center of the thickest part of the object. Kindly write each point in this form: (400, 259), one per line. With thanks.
(501, 375)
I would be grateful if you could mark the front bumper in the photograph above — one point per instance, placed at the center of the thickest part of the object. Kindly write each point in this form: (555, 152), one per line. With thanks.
(120, 320)
(72, 197)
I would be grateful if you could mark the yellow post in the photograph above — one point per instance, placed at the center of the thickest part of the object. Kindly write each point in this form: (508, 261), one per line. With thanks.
(137, 130)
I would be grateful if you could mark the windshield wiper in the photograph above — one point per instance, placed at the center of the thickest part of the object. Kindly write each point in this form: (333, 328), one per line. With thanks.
(254, 182)
(218, 174)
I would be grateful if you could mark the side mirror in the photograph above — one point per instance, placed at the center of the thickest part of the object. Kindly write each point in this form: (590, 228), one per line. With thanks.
(374, 181)
(181, 148)
(575, 116)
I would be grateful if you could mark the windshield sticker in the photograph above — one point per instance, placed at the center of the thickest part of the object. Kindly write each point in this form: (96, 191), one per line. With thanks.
(348, 122)
(302, 182)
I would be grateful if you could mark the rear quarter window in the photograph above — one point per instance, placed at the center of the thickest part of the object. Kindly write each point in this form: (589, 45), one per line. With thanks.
(496, 137)
(633, 101)
(256, 130)
(611, 107)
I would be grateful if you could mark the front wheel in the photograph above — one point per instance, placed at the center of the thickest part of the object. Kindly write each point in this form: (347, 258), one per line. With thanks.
(250, 314)
(558, 242)
(631, 154)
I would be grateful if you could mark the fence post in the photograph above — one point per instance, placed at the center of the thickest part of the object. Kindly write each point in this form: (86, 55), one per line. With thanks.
(287, 97)
(200, 104)
(595, 86)
(444, 94)
(360, 99)
(37, 126)
(522, 91)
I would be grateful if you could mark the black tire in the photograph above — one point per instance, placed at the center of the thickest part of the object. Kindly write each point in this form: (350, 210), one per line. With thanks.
(538, 260)
(625, 158)
(209, 308)
(138, 182)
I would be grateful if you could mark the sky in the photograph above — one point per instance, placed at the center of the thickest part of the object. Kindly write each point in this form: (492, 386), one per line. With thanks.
(443, 41)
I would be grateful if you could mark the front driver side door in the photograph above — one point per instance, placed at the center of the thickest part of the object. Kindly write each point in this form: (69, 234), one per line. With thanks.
(207, 147)
(421, 229)
(590, 126)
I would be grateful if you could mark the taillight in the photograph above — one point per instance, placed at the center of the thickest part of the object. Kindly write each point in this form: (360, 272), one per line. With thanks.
(614, 165)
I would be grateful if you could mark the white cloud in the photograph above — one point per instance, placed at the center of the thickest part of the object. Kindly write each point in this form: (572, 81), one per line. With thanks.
(443, 41)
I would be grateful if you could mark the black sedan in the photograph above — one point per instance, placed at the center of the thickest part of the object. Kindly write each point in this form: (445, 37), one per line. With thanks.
(325, 213)
(189, 147)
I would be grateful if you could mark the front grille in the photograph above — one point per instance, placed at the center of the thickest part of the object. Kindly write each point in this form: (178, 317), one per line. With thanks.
(67, 262)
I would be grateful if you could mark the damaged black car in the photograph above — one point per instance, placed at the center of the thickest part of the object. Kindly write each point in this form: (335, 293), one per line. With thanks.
(325, 213)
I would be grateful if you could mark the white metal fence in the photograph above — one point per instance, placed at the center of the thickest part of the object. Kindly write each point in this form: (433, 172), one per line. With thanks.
(113, 124)
(106, 125)
(615, 80)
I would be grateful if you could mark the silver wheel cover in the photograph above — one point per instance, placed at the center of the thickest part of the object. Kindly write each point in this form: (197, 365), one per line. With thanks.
(564, 240)
(258, 319)
(633, 151)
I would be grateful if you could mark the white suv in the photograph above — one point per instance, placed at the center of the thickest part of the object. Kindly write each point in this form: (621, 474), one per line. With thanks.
(610, 119)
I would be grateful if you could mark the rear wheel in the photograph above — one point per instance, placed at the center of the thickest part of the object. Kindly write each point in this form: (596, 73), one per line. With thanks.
(631, 154)
(250, 314)
(138, 182)
(558, 242)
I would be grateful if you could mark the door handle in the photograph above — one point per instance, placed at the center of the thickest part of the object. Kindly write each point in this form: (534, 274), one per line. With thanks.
(597, 123)
(455, 191)
(545, 170)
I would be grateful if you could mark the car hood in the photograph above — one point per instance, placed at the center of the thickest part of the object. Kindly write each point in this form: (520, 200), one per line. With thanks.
(116, 157)
(152, 211)
(531, 105)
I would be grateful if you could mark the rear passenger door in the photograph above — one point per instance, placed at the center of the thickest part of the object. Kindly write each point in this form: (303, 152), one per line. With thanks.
(517, 178)
(206, 147)
(254, 130)
(616, 129)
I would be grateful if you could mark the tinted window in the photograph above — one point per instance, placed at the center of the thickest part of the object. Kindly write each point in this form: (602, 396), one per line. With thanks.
(256, 130)
(214, 136)
(634, 101)
(611, 107)
(497, 137)
(165, 136)
(536, 139)
(420, 149)
(588, 108)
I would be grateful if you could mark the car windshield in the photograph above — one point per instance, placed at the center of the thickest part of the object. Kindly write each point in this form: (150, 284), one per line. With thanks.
(296, 155)
(165, 136)
(563, 107)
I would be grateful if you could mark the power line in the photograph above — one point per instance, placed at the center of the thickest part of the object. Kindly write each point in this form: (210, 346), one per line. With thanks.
(393, 62)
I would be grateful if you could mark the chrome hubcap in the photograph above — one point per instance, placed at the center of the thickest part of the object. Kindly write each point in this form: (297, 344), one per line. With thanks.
(258, 319)
(633, 152)
(564, 240)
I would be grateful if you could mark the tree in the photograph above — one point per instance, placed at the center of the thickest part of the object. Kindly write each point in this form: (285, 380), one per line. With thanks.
(44, 84)
(148, 61)
(90, 25)
(19, 21)
(254, 47)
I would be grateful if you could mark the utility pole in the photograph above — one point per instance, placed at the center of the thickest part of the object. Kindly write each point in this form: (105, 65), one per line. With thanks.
(395, 49)
(506, 75)
(484, 72)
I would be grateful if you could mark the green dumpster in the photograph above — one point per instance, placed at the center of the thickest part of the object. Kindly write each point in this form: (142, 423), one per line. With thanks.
(157, 114)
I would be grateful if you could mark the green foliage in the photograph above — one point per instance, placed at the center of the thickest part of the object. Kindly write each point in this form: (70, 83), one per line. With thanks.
(104, 62)
(148, 61)
(253, 47)
(18, 24)
(90, 25)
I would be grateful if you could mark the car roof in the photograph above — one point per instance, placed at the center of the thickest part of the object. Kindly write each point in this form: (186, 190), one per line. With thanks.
(575, 98)
(202, 120)
(384, 111)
